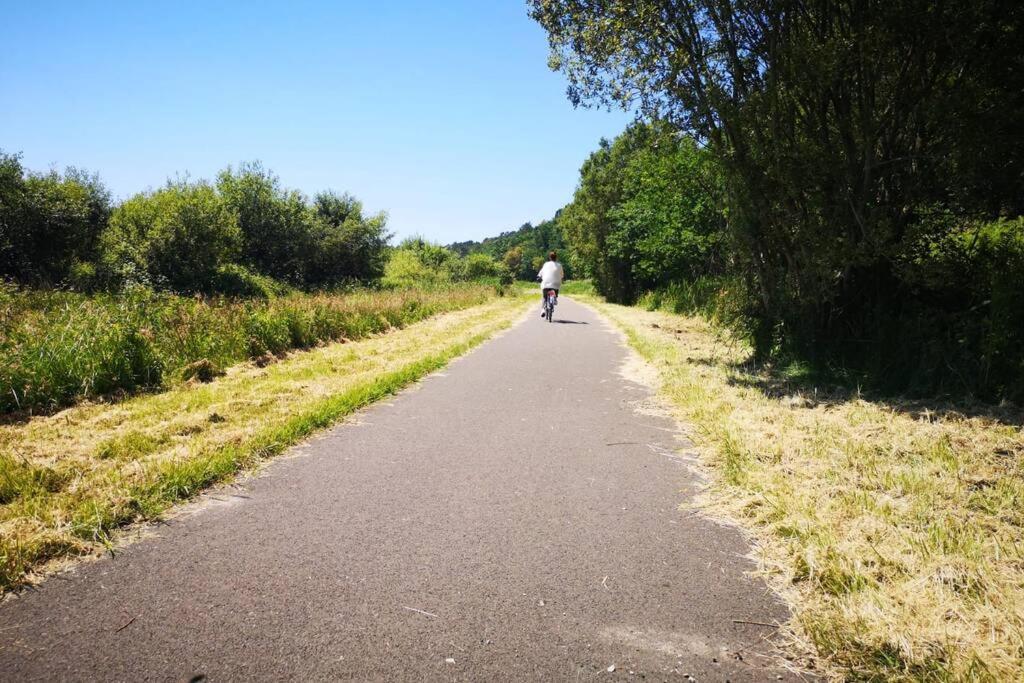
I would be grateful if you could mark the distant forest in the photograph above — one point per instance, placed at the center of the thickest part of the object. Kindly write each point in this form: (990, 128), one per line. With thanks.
(523, 250)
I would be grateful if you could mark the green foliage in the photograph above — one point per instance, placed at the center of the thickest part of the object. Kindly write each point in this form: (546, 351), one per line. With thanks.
(347, 245)
(513, 259)
(48, 222)
(189, 237)
(275, 223)
(419, 263)
(57, 348)
(477, 266)
(521, 249)
(647, 211)
(238, 281)
(964, 313)
(853, 145)
(176, 238)
(309, 244)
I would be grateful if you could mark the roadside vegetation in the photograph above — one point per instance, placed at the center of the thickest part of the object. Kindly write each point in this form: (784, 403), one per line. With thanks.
(194, 330)
(818, 221)
(70, 480)
(839, 189)
(893, 527)
(179, 283)
(522, 251)
(60, 347)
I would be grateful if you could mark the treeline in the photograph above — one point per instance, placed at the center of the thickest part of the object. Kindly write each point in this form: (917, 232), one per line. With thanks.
(843, 182)
(522, 251)
(243, 234)
(416, 262)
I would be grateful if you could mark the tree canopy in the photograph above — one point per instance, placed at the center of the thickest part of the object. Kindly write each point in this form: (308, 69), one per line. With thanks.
(853, 139)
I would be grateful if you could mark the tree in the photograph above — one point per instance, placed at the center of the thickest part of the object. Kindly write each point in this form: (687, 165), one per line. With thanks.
(347, 245)
(839, 127)
(276, 224)
(176, 237)
(417, 262)
(513, 259)
(310, 244)
(476, 266)
(48, 222)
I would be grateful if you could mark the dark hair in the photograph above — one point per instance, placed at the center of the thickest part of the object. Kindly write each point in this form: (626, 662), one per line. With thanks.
(553, 256)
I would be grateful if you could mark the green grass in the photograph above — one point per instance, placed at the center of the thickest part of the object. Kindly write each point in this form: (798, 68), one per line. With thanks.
(69, 481)
(58, 348)
(892, 528)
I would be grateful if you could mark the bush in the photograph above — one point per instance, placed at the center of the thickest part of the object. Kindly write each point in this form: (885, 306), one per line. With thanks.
(348, 245)
(238, 281)
(175, 238)
(324, 243)
(476, 266)
(82, 277)
(48, 222)
(276, 224)
(404, 269)
(961, 325)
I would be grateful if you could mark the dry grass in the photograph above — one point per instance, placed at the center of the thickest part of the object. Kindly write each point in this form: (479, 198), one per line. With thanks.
(894, 528)
(69, 480)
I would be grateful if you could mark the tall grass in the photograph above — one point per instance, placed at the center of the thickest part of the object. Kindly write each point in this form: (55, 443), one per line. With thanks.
(57, 348)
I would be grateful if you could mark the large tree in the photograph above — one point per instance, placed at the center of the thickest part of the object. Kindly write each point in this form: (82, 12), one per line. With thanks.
(646, 212)
(839, 125)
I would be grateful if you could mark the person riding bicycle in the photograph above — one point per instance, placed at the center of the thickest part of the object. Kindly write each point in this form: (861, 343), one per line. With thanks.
(550, 276)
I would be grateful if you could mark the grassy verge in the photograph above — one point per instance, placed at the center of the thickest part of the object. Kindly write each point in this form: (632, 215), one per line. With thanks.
(67, 481)
(894, 528)
(58, 348)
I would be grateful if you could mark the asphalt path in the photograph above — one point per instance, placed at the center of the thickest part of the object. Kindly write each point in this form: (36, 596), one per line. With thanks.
(516, 517)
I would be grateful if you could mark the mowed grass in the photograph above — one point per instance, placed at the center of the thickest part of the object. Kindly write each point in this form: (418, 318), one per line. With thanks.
(58, 348)
(893, 528)
(69, 480)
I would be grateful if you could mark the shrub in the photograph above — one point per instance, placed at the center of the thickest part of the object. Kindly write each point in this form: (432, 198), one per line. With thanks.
(48, 222)
(406, 268)
(348, 245)
(476, 266)
(176, 237)
(961, 326)
(275, 223)
(238, 281)
(82, 277)
(325, 242)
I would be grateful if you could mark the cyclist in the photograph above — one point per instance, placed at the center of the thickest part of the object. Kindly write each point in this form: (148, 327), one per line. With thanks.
(550, 276)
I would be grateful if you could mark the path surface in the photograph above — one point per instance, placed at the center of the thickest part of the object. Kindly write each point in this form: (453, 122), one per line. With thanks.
(514, 518)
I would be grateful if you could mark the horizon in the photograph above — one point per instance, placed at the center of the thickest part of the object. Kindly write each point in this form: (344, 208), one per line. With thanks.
(453, 125)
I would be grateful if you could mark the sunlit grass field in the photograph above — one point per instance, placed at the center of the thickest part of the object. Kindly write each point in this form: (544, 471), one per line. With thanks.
(894, 528)
(69, 480)
(57, 348)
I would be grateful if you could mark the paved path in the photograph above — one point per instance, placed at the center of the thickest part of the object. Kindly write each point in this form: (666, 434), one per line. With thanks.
(513, 518)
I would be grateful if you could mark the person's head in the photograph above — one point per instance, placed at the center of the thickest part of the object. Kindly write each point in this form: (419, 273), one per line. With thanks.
(552, 256)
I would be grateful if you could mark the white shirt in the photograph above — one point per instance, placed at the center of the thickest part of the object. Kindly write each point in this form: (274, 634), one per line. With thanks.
(551, 275)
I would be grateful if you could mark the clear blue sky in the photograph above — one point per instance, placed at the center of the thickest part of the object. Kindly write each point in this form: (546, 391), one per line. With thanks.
(442, 113)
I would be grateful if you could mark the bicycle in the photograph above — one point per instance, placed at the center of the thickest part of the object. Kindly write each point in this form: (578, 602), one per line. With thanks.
(550, 299)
